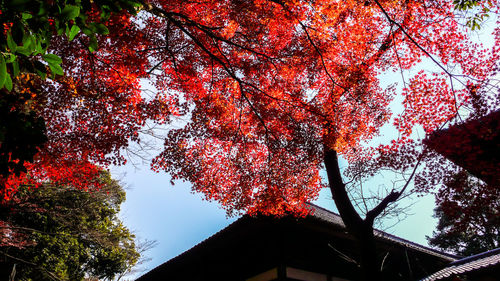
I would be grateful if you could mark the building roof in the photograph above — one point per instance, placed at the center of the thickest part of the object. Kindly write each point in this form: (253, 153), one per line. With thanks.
(334, 218)
(301, 242)
(486, 260)
(474, 145)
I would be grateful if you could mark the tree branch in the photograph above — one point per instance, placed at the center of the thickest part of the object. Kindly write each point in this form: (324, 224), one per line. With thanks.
(392, 197)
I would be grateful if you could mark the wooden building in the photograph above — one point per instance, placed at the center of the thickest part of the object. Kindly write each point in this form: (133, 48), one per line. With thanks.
(314, 248)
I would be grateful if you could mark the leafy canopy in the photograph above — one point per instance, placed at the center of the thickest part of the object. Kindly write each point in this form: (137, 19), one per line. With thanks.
(264, 88)
(64, 233)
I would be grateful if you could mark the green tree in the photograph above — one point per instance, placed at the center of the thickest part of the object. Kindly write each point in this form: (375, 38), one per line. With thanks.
(65, 233)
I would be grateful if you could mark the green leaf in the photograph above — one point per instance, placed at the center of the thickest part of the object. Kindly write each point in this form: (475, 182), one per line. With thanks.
(42, 11)
(24, 50)
(134, 3)
(15, 68)
(26, 16)
(38, 47)
(3, 71)
(105, 14)
(11, 58)
(61, 29)
(42, 74)
(73, 32)
(132, 6)
(93, 44)
(56, 69)
(8, 82)
(52, 59)
(70, 12)
(101, 29)
(87, 31)
(28, 46)
(10, 43)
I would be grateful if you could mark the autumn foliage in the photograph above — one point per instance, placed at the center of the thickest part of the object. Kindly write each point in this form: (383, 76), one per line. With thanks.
(267, 86)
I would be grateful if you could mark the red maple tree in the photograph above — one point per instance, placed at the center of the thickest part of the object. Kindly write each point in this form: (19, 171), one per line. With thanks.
(274, 91)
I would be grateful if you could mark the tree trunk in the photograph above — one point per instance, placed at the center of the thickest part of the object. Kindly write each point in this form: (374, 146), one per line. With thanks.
(368, 258)
(360, 229)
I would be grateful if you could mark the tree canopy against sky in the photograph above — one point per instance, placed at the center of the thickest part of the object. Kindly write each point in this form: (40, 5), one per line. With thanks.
(266, 99)
(271, 93)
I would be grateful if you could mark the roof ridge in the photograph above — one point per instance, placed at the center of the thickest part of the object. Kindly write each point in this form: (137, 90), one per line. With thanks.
(476, 257)
(390, 236)
(468, 264)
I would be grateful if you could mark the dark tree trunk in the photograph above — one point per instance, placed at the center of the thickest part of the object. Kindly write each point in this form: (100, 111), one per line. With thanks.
(360, 229)
(368, 257)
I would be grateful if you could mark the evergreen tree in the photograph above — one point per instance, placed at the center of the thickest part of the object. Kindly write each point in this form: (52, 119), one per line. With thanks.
(64, 233)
